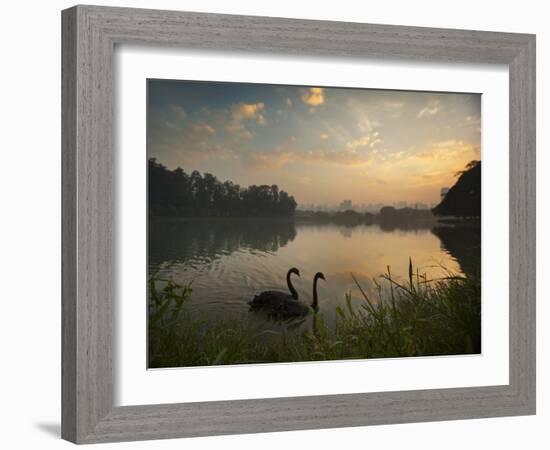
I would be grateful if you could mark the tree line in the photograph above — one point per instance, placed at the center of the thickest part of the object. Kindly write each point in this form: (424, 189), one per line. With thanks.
(177, 193)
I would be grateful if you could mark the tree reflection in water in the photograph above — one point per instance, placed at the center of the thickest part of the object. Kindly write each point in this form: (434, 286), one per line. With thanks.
(174, 240)
(463, 243)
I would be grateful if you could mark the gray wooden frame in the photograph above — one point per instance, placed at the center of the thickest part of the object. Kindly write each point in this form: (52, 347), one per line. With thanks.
(89, 36)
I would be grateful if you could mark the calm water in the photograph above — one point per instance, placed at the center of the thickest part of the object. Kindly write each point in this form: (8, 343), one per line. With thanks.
(229, 261)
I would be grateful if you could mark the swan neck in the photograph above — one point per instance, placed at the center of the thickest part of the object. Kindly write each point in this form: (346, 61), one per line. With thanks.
(290, 287)
(315, 302)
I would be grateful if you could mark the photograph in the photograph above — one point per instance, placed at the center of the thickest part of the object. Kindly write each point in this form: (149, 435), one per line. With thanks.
(291, 224)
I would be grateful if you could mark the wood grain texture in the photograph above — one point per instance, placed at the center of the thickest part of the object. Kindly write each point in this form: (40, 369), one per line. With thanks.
(523, 223)
(68, 226)
(89, 36)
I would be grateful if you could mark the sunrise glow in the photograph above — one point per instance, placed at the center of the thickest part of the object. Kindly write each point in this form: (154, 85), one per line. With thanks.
(322, 145)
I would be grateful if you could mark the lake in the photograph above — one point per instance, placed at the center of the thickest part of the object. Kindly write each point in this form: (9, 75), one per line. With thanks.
(228, 261)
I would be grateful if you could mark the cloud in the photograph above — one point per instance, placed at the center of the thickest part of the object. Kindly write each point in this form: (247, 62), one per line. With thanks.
(270, 160)
(436, 164)
(392, 105)
(366, 142)
(367, 125)
(431, 109)
(174, 117)
(178, 111)
(448, 150)
(314, 96)
(171, 125)
(186, 142)
(337, 156)
(281, 156)
(355, 152)
(473, 120)
(359, 143)
(375, 142)
(190, 149)
(202, 128)
(241, 113)
(394, 108)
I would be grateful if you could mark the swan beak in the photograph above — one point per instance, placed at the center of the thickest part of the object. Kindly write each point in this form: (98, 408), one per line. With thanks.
(298, 273)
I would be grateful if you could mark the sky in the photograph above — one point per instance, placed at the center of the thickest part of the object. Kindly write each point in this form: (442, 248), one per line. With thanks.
(320, 144)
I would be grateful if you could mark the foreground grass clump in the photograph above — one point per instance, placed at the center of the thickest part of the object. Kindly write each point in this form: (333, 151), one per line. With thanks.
(417, 318)
(421, 317)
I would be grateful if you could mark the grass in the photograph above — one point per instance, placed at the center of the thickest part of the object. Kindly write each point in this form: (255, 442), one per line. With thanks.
(419, 317)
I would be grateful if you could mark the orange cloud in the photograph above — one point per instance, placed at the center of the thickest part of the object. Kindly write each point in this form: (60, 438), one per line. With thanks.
(247, 110)
(448, 150)
(272, 160)
(242, 112)
(314, 96)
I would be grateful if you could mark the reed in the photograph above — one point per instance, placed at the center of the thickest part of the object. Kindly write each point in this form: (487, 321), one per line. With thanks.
(419, 317)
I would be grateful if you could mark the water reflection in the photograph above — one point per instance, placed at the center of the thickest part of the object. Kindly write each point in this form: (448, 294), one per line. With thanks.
(173, 241)
(228, 261)
(463, 243)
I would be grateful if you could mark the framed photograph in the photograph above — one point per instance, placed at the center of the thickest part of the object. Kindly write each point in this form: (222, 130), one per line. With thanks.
(278, 224)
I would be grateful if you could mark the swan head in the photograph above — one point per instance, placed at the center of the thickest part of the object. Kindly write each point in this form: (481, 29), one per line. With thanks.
(294, 271)
(320, 275)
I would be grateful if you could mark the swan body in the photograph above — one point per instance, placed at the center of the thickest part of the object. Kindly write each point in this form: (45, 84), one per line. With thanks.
(272, 300)
(291, 308)
(296, 308)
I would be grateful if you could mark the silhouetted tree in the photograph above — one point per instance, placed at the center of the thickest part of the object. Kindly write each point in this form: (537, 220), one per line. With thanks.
(388, 212)
(464, 198)
(175, 193)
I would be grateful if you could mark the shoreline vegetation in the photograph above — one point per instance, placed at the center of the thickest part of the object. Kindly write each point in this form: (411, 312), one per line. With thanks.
(348, 217)
(419, 317)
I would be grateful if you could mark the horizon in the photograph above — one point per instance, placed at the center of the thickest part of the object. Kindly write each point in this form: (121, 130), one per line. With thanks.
(321, 145)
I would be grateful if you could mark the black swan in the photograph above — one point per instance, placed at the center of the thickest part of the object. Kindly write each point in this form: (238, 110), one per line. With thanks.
(295, 308)
(273, 299)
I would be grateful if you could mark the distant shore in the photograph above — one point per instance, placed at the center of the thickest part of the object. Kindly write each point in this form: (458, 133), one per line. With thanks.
(423, 219)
